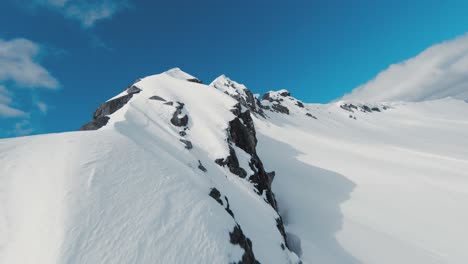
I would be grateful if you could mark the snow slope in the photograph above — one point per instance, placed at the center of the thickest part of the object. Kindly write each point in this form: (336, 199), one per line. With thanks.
(156, 182)
(386, 187)
(131, 192)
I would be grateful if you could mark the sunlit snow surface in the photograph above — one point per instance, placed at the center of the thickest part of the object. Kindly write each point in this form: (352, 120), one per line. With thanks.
(386, 187)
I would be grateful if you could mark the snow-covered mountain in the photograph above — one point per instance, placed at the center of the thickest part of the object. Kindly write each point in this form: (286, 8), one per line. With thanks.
(175, 171)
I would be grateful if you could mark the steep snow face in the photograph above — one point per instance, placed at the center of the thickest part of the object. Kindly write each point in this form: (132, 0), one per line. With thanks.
(143, 187)
(368, 186)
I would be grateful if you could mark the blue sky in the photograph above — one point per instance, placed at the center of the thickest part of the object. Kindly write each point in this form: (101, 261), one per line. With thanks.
(59, 59)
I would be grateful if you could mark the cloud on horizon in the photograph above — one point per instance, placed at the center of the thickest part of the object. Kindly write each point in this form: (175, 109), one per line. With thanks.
(439, 71)
(87, 12)
(20, 69)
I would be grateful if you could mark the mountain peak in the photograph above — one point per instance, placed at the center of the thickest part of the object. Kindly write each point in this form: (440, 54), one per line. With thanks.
(181, 75)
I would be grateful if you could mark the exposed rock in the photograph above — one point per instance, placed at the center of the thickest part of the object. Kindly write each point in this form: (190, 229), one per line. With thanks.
(285, 93)
(201, 167)
(240, 93)
(195, 80)
(375, 109)
(237, 237)
(365, 108)
(169, 103)
(300, 104)
(310, 115)
(280, 108)
(100, 118)
(182, 133)
(233, 163)
(280, 226)
(349, 107)
(177, 118)
(228, 209)
(215, 194)
(157, 98)
(96, 123)
(133, 89)
(188, 144)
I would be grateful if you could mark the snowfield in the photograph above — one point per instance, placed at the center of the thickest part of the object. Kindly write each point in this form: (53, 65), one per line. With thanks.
(355, 182)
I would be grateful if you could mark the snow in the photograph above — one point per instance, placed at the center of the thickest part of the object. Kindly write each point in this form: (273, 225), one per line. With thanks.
(388, 187)
(130, 192)
(385, 187)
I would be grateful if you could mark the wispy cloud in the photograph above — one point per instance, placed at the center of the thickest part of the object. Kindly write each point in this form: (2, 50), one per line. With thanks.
(87, 12)
(20, 69)
(18, 63)
(5, 109)
(438, 72)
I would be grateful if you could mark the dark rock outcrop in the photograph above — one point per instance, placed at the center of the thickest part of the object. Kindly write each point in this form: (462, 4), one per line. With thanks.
(215, 194)
(133, 89)
(233, 163)
(157, 98)
(188, 144)
(177, 118)
(195, 80)
(237, 237)
(201, 167)
(280, 108)
(100, 118)
(310, 115)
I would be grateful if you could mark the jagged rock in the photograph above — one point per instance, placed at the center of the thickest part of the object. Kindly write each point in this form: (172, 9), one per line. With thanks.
(201, 167)
(188, 144)
(310, 115)
(133, 89)
(100, 118)
(169, 103)
(285, 93)
(242, 132)
(157, 98)
(182, 133)
(280, 226)
(195, 80)
(300, 104)
(96, 123)
(280, 108)
(349, 107)
(240, 93)
(365, 108)
(177, 119)
(375, 109)
(215, 194)
(237, 237)
(228, 209)
(233, 163)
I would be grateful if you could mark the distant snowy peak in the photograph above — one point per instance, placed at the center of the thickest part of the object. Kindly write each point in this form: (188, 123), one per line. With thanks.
(181, 75)
(282, 102)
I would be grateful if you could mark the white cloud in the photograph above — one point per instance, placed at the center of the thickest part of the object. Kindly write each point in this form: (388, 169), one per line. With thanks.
(42, 107)
(5, 109)
(22, 128)
(18, 64)
(86, 11)
(438, 72)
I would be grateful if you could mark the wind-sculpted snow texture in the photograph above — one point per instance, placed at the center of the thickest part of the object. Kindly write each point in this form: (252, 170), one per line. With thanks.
(140, 188)
(175, 171)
